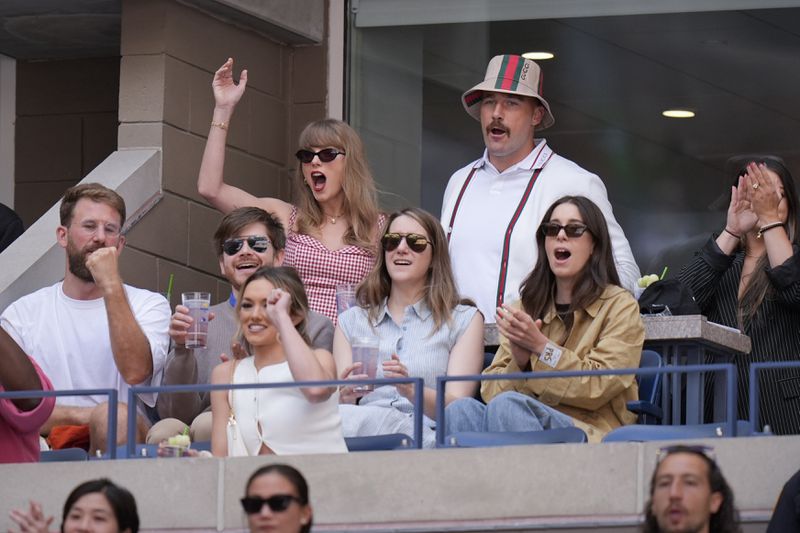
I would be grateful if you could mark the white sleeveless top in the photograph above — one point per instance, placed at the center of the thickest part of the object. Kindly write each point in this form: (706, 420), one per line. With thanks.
(289, 423)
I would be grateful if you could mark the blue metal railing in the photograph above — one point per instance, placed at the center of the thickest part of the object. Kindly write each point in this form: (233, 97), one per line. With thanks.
(112, 407)
(755, 368)
(417, 382)
(728, 368)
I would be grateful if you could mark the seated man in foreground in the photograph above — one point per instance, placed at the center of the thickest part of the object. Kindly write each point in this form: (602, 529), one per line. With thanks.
(21, 419)
(689, 493)
(247, 239)
(90, 330)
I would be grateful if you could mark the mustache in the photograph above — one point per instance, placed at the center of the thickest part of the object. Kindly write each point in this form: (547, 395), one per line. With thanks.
(496, 124)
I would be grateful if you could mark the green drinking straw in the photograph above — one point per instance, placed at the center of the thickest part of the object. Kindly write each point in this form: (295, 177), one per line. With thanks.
(169, 287)
(664, 272)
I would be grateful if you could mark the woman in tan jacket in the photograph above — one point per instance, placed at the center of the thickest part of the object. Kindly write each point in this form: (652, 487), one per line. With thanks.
(572, 315)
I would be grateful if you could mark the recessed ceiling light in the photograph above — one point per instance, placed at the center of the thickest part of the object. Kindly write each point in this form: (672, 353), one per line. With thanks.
(678, 113)
(538, 56)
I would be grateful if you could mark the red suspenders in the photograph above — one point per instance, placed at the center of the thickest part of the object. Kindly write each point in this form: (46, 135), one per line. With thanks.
(501, 282)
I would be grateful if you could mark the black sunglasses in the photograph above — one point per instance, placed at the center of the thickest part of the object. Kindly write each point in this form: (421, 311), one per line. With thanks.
(276, 504)
(573, 229)
(257, 243)
(416, 242)
(326, 156)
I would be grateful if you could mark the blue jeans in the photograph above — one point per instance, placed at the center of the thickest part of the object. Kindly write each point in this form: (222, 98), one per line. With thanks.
(508, 411)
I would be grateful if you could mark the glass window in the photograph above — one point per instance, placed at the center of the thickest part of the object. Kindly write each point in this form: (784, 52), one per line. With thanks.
(610, 80)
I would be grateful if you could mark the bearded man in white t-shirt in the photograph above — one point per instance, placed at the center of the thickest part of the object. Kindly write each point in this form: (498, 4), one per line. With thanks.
(493, 207)
(90, 330)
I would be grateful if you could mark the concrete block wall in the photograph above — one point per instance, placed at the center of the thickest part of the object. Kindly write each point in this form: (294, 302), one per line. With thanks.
(66, 125)
(170, 51)
(572, 487)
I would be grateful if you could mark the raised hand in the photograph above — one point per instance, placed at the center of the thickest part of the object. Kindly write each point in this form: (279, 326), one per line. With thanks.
(227, 93)
(741, 218)
(237, 352)
(278, 305)
(766, 195)
(32, 521)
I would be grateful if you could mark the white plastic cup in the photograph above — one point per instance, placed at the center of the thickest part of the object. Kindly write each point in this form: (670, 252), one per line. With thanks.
(365, 351)
(198, 304)
(345, 297)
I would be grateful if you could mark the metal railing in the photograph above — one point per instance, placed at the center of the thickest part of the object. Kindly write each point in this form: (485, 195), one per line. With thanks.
(112, 407)
(754, 387)
(728, 368)
(417, 382)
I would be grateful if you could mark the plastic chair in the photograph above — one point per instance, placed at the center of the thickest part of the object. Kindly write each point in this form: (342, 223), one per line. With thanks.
(65, 454)
(389, 441)
(648, 407)
(475, 439)
(644, 433)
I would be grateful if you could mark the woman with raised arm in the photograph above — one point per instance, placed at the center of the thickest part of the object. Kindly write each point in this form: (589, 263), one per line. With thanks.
(332, 229)
(410, 303)
(272, 309)
(572, 315)
(748, 277)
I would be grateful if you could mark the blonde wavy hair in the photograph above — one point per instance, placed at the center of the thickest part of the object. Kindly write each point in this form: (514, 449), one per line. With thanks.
(360, 196)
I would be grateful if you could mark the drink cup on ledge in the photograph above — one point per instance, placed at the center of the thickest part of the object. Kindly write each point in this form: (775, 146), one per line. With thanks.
(345, 297)
(365, 351)
(198, 304)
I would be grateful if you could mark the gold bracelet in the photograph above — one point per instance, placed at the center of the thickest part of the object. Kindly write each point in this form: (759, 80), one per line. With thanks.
(767, 227)
(220, 125)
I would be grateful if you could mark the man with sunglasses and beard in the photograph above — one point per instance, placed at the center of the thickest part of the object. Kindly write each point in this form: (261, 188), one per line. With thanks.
(90, 330)
(246, 239)
(493, 206)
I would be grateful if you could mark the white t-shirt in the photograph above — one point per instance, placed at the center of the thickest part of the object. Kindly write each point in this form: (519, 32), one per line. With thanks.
(486, 209)
(70, 340)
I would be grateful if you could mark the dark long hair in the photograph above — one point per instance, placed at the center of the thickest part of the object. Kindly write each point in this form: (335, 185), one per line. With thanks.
(538, 289)
(759, 286)
(725, 520)
(293, 476)
(121, 501)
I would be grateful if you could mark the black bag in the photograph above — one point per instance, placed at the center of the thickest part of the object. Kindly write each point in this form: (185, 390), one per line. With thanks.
(669, 293)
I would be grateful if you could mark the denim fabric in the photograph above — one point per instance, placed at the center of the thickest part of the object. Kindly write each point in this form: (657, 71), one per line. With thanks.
(508, 411)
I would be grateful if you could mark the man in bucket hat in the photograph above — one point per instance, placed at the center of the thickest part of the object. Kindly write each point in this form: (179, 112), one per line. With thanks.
(492, 207)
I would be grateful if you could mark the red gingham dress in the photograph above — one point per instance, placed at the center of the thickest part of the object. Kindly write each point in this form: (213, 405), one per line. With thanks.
(322, 269)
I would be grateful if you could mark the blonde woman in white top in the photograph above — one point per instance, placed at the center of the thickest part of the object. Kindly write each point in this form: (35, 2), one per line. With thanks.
(272, 309)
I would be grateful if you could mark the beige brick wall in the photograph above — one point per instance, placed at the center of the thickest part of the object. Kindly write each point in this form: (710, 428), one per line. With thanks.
(169, 54)
(66, 125)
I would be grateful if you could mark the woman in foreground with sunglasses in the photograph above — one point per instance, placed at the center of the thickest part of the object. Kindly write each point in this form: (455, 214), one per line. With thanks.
(572, 315)
(272, 310)
(332, 230)
(410, 303)
(276, 499)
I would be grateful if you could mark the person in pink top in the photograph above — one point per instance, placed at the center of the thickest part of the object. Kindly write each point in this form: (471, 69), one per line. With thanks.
(333, 229)
(21, 419)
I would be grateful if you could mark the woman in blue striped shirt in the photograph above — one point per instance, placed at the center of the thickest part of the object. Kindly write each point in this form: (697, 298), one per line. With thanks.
(410, 303)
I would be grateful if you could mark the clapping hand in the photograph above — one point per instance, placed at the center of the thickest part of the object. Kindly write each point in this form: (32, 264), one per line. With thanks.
(520, 329)
(227, 93)
(766, 198)
(741, 217)
(237, 351)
